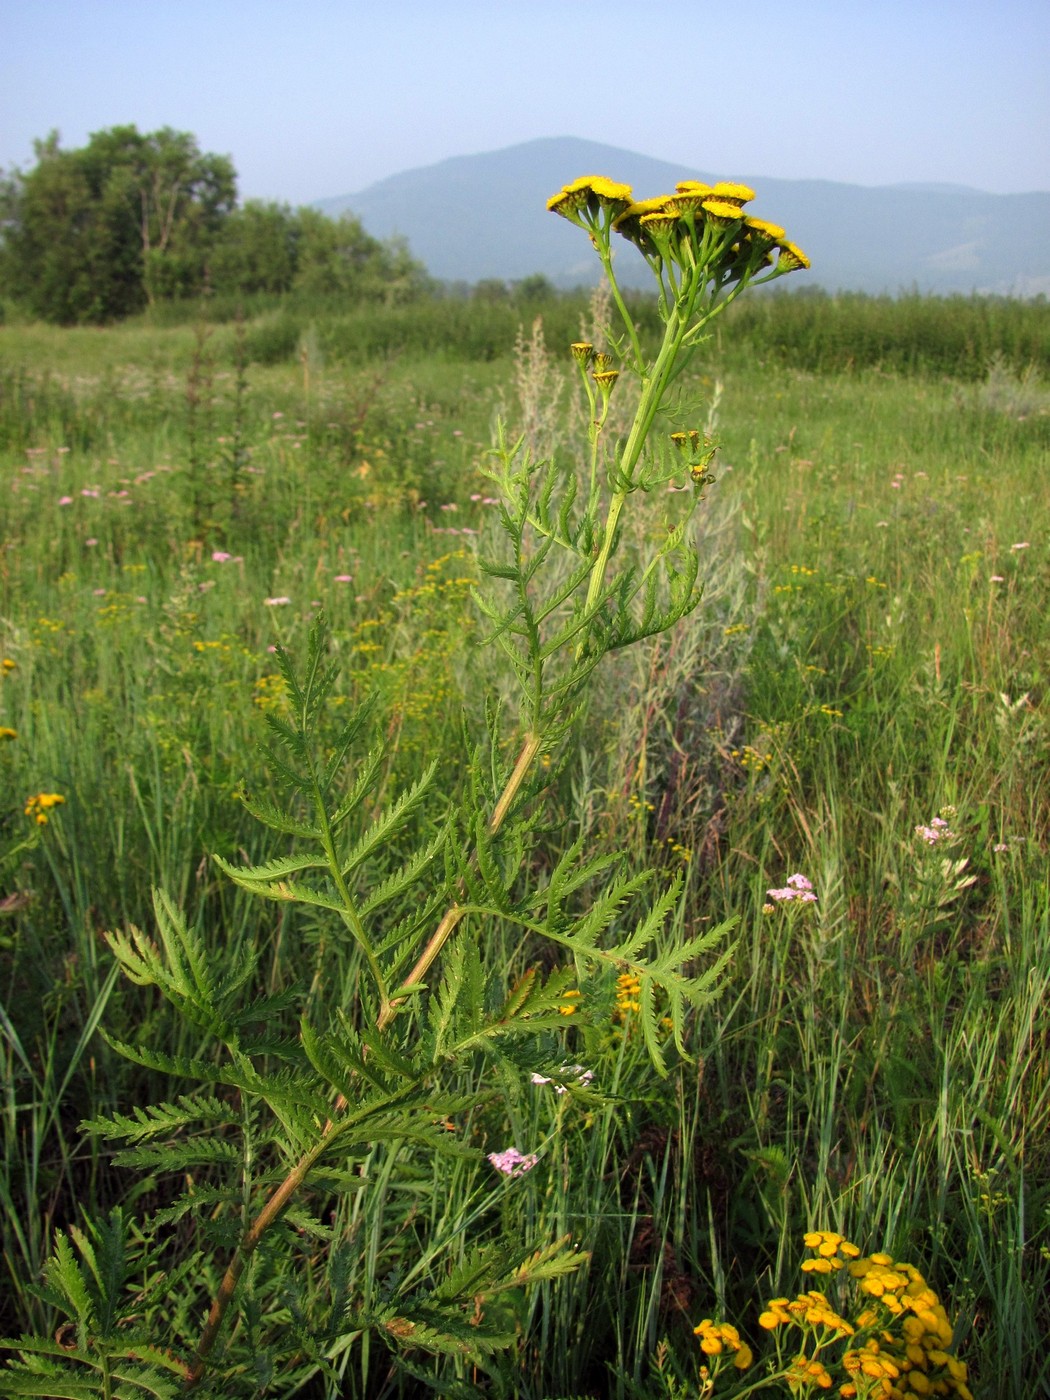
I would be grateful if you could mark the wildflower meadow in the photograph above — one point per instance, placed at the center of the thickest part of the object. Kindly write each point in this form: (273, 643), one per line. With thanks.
(523, 840)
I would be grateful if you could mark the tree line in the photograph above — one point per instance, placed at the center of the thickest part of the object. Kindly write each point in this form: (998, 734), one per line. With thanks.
(132, 219)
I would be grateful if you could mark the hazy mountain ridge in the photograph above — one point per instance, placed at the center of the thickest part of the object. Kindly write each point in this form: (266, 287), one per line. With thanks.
(480, 216)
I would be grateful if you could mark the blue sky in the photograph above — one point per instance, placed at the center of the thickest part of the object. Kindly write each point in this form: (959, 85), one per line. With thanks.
(319, 98)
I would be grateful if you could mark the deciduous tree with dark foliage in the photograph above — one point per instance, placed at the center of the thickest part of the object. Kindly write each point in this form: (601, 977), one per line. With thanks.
(130, 220)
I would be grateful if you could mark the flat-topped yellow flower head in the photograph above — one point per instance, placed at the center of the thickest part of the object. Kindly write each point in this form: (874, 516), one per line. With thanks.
(735, 194)
(722, 210)
(764, 228)
(629, 223)
(590, 192)
(791, 258)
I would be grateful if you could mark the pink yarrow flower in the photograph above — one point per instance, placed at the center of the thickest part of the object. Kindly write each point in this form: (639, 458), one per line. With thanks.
(511, 1162)
(276, 602)
(797, 887)
(938, 830)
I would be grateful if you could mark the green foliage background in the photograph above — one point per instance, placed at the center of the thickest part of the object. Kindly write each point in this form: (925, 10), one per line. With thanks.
(877, 1065)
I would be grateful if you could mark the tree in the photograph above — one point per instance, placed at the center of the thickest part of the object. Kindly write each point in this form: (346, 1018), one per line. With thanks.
(257, 250)
(95, 234)
(131, 219)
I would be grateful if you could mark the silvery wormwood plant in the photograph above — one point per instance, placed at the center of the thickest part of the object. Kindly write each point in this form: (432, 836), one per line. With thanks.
(280, 1121)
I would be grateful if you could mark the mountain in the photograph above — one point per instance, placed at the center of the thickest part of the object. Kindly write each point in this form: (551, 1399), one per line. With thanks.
(481, 216)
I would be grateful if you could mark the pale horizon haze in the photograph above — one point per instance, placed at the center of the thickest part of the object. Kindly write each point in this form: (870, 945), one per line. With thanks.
(324, 99)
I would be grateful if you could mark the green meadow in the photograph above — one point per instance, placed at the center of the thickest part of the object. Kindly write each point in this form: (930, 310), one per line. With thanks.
(860, 699)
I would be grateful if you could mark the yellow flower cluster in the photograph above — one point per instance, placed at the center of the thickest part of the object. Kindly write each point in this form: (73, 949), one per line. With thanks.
(686, 227)
(900, 1333)
(698, 226)
(811, 1308)
(271, 693)
(628, 991)
(569, 1002)
(718, 1338)
(40, 804)
(6, 732)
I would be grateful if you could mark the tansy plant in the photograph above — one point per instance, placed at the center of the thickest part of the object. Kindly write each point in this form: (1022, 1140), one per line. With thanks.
(285, 1119)
(872, 1329)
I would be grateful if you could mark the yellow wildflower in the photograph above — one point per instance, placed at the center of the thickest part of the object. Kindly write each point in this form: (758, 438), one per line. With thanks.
(569, 998)
(764, 227)
(734, 194)
(40, 804)
(629, 222)
(7, 733)
(582, 351)
(591, 192)
(628, 991)
(791, 258)
(717, 1337)
(722, 209)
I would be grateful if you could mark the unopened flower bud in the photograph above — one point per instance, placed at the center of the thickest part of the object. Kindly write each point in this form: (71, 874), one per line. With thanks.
(582, 350)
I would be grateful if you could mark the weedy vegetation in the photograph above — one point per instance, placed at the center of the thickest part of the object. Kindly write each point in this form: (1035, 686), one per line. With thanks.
(521, 813)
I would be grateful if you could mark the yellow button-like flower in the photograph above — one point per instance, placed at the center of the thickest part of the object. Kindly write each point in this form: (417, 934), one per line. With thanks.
(735, 194)
(40, 804)
(591, 192)
(791, 258)
(722, 210)
(763, 226)
(568, 1005)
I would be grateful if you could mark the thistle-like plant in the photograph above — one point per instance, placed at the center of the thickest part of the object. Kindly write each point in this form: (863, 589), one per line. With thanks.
(280, 1120)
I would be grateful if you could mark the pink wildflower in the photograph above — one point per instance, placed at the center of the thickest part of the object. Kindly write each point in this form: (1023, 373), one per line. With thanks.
(797, 887)
(511, 1162)
(936, 831)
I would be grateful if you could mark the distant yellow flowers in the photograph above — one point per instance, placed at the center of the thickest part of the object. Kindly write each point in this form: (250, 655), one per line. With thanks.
(628, 994)
(570, 1002)
(40, 804)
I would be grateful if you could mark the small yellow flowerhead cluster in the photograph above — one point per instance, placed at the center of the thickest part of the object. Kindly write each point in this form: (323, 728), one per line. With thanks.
(699, 451)
(720, 1339)
(898, 1337)
(585, 200)
(40, 804)
(271, 693)
(569, 1002)
(701, 223)
(628, 991)
(829, 1247)
(6, 732)
(699, 227)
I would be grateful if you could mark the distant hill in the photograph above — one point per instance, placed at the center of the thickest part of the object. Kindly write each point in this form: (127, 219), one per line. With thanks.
(474, 217)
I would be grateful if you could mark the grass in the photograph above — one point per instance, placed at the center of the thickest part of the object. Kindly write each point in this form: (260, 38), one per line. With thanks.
(872, 651)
